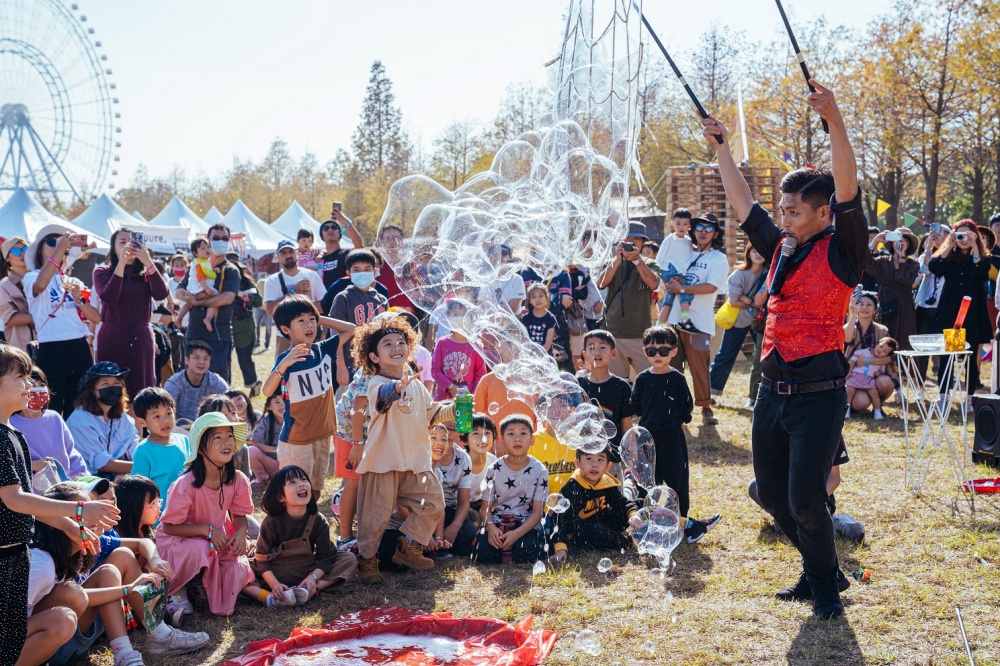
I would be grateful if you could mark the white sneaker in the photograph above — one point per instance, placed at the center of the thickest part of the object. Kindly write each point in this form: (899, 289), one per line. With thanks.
(129, 658)
(878, 416)
(847, 414)
(287, 599)
(178, 642)
(301, 595)
(750, 403)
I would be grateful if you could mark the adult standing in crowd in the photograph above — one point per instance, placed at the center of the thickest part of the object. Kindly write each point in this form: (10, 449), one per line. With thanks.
(706, 273)
(289, 281)
(334, 258)
(126, 286)
(178, 269)
(744, 284)
(18, 326)
(896, 273)
(630, 280)
(963, 263)
(929, 293)
(60, 313)
(227, 284)
(390, 242)
(862, 332)
(244, 327)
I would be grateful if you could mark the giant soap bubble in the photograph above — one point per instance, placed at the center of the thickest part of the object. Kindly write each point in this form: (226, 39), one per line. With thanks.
(548, 196)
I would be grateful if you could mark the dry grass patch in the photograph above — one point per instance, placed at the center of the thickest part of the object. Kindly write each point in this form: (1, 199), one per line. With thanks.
(719, 609)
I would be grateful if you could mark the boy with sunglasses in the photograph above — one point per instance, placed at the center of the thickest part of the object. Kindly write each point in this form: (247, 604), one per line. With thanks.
(662, 401)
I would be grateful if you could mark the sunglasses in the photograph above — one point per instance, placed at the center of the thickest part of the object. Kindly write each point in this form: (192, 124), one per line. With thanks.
(704, 227)
(661, 351)
(220, 238)
(20, 251)
(329, 227)
(52, 242)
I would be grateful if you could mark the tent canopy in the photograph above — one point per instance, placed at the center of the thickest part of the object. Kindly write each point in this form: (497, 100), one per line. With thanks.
(104, 217)
(137, 215)
(212, 216)
(259, 239)
(296, 218)
(177, 214)
(24, 217)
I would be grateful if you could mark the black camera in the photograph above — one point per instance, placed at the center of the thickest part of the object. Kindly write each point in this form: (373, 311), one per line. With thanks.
(628, 247)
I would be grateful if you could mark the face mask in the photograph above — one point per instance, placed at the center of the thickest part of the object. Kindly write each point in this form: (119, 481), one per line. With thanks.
(179, 272)
(109, 395)
(220, 247)
(362, 280)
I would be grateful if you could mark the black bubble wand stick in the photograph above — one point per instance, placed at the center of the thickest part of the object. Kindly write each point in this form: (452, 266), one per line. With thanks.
(799, 56)
(673, 66)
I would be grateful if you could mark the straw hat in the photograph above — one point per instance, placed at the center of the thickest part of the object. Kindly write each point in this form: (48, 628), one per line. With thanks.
(214, 420)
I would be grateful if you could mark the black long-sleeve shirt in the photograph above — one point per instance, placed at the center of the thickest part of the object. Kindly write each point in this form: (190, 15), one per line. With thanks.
(848, 255)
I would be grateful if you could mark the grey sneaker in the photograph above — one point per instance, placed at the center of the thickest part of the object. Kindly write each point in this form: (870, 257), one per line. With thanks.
(286, 599)
(178, 642)
(130, 658)
(301, 595)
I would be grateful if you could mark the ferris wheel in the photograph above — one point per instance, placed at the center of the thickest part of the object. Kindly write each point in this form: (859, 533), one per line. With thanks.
(59, 132)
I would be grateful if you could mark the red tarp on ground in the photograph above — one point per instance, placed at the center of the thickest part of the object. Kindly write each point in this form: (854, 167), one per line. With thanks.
(406, 637)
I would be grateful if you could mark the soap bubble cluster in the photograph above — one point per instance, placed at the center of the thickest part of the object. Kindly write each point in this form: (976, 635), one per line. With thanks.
(639, 456)
(557, 503)
(657, 528)
(551, 198)
(588, 642)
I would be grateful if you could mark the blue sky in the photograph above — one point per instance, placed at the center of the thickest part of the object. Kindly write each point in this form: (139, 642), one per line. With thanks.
(203, 80)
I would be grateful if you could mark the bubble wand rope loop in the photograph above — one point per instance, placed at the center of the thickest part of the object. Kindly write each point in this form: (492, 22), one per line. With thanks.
(799, 56)
(670, 61)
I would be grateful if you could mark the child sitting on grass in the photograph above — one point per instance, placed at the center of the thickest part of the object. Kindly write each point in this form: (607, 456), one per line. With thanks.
(139, 500)
(295, 558)
(662, 401)
(517, 486)
(480, 448)
(598, 512)
(396, 466)
(161, 456)
(455, 531)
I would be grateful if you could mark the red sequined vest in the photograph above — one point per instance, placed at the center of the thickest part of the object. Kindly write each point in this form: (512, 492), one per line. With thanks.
(807, 317)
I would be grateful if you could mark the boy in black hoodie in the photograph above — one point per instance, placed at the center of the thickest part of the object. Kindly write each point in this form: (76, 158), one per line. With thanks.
(598, 512)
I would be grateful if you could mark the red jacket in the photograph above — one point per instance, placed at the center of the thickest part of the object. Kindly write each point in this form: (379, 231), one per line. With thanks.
(807, 317)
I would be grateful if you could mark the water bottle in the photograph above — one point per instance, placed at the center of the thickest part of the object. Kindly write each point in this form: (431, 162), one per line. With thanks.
(507, 523)
(463, 412)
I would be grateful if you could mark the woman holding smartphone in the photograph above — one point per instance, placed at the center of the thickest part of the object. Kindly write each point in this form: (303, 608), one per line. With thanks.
(60, 312)
(897, 275)
(127, 285)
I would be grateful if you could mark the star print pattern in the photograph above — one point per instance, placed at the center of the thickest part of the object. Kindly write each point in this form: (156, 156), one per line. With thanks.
(516, 490)
(455, 475)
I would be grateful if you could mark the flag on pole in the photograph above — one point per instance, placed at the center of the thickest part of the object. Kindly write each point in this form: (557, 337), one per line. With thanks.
(908, 220)
(881, 207)
(786, 156)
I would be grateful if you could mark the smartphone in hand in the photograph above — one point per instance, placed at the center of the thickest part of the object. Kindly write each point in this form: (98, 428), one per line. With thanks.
(78, 240)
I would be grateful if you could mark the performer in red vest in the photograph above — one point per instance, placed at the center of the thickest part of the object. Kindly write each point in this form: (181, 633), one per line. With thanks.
(800, 406)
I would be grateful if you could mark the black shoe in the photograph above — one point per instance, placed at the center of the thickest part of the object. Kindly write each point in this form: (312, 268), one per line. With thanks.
(695, 532)
(826, 600)
(687, 326)
(711, 522)
(802, 590)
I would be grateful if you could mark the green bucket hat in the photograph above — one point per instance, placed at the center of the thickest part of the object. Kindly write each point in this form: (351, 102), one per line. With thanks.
(214, 420)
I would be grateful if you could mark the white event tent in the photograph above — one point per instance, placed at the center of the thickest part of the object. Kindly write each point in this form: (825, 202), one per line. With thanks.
(137, 215)
(259, 239)
(104, 217)
(296, 218)
(24, 217)
(212, 216)
(177, 214)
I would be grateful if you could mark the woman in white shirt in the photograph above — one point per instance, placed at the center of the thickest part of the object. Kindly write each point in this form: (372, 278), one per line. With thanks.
(61, 312)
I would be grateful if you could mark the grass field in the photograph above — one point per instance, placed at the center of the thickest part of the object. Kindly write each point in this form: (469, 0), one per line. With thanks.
(717, 606)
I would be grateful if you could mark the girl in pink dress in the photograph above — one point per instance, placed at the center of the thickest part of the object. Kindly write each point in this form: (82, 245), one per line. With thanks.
(865, 366)
(204, 529)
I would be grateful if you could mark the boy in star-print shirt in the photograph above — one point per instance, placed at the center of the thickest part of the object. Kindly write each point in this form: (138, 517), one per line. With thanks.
(516, 488)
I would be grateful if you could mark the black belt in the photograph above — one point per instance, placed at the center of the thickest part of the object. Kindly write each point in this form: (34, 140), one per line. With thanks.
(784, 388)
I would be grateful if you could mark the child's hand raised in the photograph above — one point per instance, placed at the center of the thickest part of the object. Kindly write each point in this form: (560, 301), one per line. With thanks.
(405, 381)
(295, 354)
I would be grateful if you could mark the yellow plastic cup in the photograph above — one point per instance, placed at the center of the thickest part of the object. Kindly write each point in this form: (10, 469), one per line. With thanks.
(954, 339)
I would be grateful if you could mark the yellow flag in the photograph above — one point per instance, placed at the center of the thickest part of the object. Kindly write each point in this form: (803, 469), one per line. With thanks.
(881, 207)
(767, 174)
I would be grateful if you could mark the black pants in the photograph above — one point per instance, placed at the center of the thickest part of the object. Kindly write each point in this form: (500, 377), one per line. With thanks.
(529, 549)
(64, 364)
(795, 438)
(598, 536)
(14, 569)
(466, 534)
(672, 464)
(244, 356)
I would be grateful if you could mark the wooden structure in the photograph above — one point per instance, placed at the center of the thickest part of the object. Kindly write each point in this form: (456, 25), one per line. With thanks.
(699, 189)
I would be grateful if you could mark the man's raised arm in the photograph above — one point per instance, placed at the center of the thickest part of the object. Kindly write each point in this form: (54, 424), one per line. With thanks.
(732, 180)
(842, 161)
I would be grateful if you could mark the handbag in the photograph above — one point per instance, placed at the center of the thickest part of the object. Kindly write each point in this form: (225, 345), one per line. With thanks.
(726, 316)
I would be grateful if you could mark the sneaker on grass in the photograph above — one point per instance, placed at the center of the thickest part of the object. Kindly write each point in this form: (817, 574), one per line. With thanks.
(178, 642)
